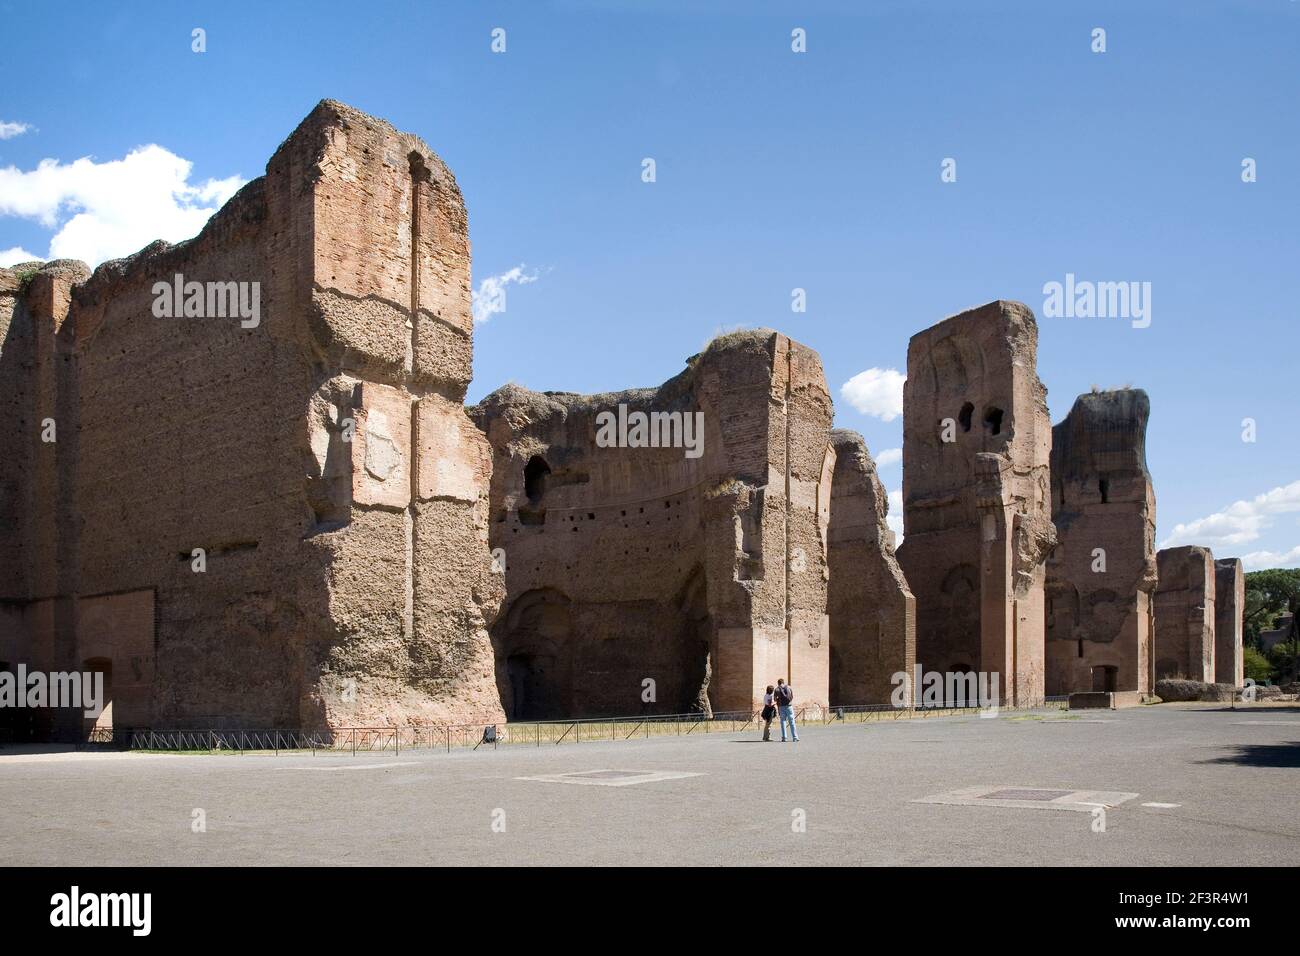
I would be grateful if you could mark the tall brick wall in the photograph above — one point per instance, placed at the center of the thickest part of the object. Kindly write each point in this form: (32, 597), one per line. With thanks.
(633, 563)
(322, 460)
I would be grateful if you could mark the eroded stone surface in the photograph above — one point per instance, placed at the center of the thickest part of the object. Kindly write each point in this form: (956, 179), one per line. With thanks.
(706, 575)
(1102, 573)
(976, 521)
(1229, 608)
(1184, 644)
(872, 611)
(347, 577)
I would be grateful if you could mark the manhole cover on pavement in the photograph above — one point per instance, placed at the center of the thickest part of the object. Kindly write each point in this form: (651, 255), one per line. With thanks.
(1025, 794)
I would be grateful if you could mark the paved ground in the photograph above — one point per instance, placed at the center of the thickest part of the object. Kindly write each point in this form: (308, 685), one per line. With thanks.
(1232, 774)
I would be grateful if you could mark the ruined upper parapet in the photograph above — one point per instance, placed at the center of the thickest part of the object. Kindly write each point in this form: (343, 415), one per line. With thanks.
(1103, 570)
(872, 610)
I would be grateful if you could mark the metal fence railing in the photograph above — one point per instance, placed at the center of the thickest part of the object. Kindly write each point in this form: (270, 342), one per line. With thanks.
(514, 734)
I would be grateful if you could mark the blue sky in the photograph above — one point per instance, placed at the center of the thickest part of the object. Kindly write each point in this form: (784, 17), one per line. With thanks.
(775, 170)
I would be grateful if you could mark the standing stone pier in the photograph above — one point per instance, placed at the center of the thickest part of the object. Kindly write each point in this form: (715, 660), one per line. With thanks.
(976, 476)
(1184, 645)
(1102, 573)
(1229, 627)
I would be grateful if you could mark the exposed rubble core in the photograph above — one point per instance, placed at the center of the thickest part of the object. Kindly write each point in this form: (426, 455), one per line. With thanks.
(1229, 621)
(976, 521)
(1102, 573)
(650, 579)
(872, 611)
(1184, 645)
(320, 458)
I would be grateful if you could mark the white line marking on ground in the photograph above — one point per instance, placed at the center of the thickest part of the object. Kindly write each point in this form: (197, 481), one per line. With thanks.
(1162, 806)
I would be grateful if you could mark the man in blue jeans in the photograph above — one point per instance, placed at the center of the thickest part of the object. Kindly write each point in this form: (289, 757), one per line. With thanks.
(785, 706)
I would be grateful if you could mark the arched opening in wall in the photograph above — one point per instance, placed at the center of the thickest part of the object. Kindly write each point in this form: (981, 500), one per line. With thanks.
(534, 649)
(993, 420)
(535, 475)
(1103, 488)
(91, 669)
(696, 644)
(1105, 678)
(964, 416)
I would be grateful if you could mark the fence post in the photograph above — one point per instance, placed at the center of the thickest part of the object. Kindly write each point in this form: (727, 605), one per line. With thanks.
(354, 741)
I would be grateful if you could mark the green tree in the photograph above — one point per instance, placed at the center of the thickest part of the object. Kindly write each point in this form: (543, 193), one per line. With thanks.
(1268, 594)
(1256, 665)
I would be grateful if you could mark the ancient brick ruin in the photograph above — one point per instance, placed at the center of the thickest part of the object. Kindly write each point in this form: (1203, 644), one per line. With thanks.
(1184, 645)
(321, 459)
(703, 573)
(287, 518)
(1229, 614)
(872, 610)
(1102, 573)
(976, 521)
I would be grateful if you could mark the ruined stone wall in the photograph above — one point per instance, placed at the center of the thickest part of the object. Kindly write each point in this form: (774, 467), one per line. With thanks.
(319, 456)
(872, 610)
(1184, 643)
(1229, 625)
(977, 528)
(623, 564)
(1102, 573)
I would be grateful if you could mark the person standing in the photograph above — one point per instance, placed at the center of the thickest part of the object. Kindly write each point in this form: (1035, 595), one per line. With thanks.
(769, 711)
(785, 706)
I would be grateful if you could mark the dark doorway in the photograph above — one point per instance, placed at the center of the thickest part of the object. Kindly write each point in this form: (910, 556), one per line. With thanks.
(1105, 678)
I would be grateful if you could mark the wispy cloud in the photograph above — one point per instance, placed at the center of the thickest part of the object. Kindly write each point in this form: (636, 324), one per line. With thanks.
(1239, 523)
(15, 254)
(1259, 560)
(490, 296)
(10, 130)
(890, 456)
(877, 392)
(105, 210)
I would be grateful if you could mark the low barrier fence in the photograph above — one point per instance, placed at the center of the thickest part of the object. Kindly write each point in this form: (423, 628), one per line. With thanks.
(523, 733)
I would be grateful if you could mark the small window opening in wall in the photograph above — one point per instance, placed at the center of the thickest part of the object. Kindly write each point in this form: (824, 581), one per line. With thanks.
(1080, 647)
(993, 421)
(535, 473)
(967, 410)
(1104, 487)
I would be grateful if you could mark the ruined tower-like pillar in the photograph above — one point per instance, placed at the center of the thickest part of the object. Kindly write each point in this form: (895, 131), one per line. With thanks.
(872, 611)
(977, 529)
(1229, 607)
(1184, 645)
(1102, 573)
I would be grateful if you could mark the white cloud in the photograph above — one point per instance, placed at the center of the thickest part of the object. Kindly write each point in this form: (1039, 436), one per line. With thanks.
(1239, 523)
(895, 516)
(877, 392)
(106, 210)
(490, 297)
(10, 130)
(890, 456)
(16, 254)
(1259, 560)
